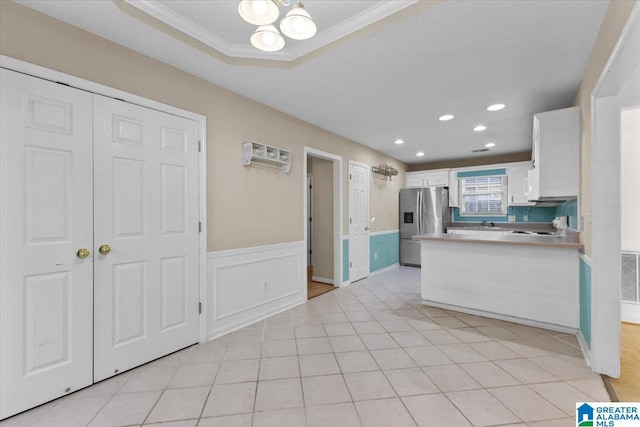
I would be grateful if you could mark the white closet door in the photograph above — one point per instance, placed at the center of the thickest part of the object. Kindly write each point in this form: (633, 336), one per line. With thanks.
(46, 290)
(146, 210)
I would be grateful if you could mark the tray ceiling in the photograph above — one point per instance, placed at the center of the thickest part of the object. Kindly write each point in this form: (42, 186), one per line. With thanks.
(393, 78)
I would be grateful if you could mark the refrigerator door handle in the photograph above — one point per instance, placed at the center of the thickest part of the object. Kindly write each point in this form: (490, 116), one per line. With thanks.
(419, 211)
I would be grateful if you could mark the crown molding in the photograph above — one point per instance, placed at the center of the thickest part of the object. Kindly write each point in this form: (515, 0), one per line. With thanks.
(157, 10)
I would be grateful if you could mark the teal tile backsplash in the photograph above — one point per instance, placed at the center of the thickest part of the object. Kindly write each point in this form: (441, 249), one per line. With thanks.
(533, 213)
(569, 209)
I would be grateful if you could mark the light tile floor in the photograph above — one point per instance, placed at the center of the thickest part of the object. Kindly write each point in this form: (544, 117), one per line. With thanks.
(366, 355)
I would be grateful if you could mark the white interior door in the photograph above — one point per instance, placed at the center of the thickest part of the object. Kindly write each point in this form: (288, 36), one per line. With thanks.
(46, 290)
(146, 210)
(358, 221)
(309, 220)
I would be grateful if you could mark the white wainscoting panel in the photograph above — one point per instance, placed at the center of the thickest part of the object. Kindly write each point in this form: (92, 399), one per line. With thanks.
(250, 284)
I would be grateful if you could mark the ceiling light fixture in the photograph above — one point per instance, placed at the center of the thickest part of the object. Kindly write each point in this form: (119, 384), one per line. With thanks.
(446, 117)
(495, 107)
(419, 154)
(259, 12)
(398, 141)
(480, 128)
(297, 24)
(267, 38)
(490, 144)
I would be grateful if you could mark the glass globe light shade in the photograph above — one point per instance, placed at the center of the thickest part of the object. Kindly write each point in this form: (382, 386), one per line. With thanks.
(298, 25)
(259, 12)
(267, 38)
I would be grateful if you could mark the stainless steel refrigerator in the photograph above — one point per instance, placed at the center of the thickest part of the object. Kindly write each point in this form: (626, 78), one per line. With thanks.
(422, 211)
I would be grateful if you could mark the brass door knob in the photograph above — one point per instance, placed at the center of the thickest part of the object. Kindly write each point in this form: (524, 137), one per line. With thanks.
(82, 253)
(104, 249)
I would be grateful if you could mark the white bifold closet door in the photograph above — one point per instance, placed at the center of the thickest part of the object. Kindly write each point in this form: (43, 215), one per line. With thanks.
(83, 171)
(146, 210)
(46, 216)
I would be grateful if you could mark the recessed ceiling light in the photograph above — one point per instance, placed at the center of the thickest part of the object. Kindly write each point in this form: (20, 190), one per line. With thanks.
(480, 128)
(398, 141)
(495, 107)
(490, 144)
(445, 117)
(419, 154)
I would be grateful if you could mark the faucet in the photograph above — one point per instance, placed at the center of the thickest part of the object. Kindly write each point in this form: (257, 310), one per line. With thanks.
(487, 224)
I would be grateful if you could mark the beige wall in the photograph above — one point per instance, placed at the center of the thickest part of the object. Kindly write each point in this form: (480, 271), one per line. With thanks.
(322, 225)
(630, 179)
(247, 206)
(612, 25)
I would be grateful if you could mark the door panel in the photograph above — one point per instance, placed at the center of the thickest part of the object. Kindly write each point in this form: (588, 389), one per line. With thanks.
(46, 291)
(359, 221)
(409, 210)
(146, 209)
(409, 252)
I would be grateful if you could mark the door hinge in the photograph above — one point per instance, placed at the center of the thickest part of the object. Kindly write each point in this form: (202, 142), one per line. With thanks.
(350, 177)
(199, 227)
(310, 187)
(199, 308)
(350, 221)
(310, 219)
(199, 146)
(350, 264)
(309, 251)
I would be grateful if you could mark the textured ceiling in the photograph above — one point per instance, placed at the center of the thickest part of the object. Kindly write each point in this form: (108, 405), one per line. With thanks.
(457, 57)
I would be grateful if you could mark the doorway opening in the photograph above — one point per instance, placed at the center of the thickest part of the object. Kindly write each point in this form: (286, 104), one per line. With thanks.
(323, 221)
(627, 387)
(618, 85)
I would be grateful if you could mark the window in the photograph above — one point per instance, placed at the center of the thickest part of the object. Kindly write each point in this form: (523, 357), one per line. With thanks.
(484, 195)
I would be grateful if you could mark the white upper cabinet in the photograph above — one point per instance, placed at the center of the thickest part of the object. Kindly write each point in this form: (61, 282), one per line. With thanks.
(517, 182)
(555, 172)
(430, 178)
(454, 189)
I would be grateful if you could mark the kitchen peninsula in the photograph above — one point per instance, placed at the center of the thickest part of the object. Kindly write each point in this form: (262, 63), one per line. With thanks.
(523, 278)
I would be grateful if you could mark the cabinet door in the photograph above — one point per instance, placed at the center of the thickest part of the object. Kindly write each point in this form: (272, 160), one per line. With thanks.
(518, 187)
(439, 178)
(415, 179)
(454, 190)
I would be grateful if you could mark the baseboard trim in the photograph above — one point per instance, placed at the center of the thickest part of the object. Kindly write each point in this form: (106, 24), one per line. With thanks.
(514, 319)
(322, 280)
(382, 270)
(611, 389)
(586, 351)
(216, 333)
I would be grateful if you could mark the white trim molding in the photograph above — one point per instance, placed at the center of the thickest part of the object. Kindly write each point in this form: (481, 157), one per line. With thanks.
(382, 270)
(322, 280)
(251, 284)
(371, 15)
(380, 233)
(337, 208)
